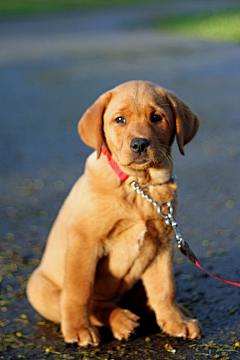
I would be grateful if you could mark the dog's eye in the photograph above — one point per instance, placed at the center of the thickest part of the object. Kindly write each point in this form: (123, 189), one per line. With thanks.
(120, 120)
(155, 118)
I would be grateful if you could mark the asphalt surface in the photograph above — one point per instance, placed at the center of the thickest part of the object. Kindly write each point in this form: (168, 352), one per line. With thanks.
(51, 69)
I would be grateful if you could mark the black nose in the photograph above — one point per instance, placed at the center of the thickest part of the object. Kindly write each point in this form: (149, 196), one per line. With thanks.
(139, 145)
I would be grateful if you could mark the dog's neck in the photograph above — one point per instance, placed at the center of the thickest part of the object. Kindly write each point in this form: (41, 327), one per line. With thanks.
(152, 175)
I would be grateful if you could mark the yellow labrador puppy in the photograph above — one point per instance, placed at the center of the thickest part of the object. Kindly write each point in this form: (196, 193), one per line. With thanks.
(106, 236)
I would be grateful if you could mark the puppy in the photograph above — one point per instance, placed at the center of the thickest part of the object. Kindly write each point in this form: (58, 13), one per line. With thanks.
(107, 236)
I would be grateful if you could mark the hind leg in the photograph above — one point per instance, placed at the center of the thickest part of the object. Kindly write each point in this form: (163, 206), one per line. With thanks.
(44, 296)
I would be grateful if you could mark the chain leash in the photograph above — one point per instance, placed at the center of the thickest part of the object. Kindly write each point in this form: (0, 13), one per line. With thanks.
(141, 189)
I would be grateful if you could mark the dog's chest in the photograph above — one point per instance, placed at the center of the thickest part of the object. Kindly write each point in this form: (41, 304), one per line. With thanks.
(128, 254)
(134, 242)
(138, 218)
(137, 234)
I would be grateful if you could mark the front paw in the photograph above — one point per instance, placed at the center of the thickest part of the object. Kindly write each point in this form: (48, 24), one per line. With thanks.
(186, 328)
(179, 324)
(83, 335)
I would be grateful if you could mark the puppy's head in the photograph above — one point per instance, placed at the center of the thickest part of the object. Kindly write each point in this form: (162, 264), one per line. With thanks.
(137, 121)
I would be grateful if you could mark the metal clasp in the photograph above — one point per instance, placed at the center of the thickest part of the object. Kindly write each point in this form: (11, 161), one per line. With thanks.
(169, 220)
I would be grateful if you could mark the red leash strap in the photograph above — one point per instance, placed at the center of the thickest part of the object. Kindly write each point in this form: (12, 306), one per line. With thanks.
(184, 248)
(216, 277)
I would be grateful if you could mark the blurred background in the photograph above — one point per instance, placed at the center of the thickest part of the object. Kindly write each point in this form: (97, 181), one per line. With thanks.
(56, 58)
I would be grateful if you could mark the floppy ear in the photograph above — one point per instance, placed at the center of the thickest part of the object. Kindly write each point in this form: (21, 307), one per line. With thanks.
(90, 125)
(187, 122)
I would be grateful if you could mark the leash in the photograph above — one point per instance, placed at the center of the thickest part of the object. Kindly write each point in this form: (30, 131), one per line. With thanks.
(169, 220)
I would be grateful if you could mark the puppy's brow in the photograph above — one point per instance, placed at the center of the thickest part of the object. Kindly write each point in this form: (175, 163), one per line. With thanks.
(123, 108)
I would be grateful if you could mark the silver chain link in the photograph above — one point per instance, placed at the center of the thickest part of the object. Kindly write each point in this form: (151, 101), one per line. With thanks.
(169, 220)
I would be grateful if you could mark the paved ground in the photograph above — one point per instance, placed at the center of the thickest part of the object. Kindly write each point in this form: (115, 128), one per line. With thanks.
(51, 69)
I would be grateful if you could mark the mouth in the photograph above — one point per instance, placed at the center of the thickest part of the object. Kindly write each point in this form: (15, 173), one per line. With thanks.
(139, 161)
(143, 163)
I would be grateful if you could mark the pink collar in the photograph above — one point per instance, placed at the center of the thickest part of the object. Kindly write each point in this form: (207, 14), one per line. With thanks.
(122, 176)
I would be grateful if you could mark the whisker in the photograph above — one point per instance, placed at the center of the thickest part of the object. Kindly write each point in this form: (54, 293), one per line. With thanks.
(168, 158)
